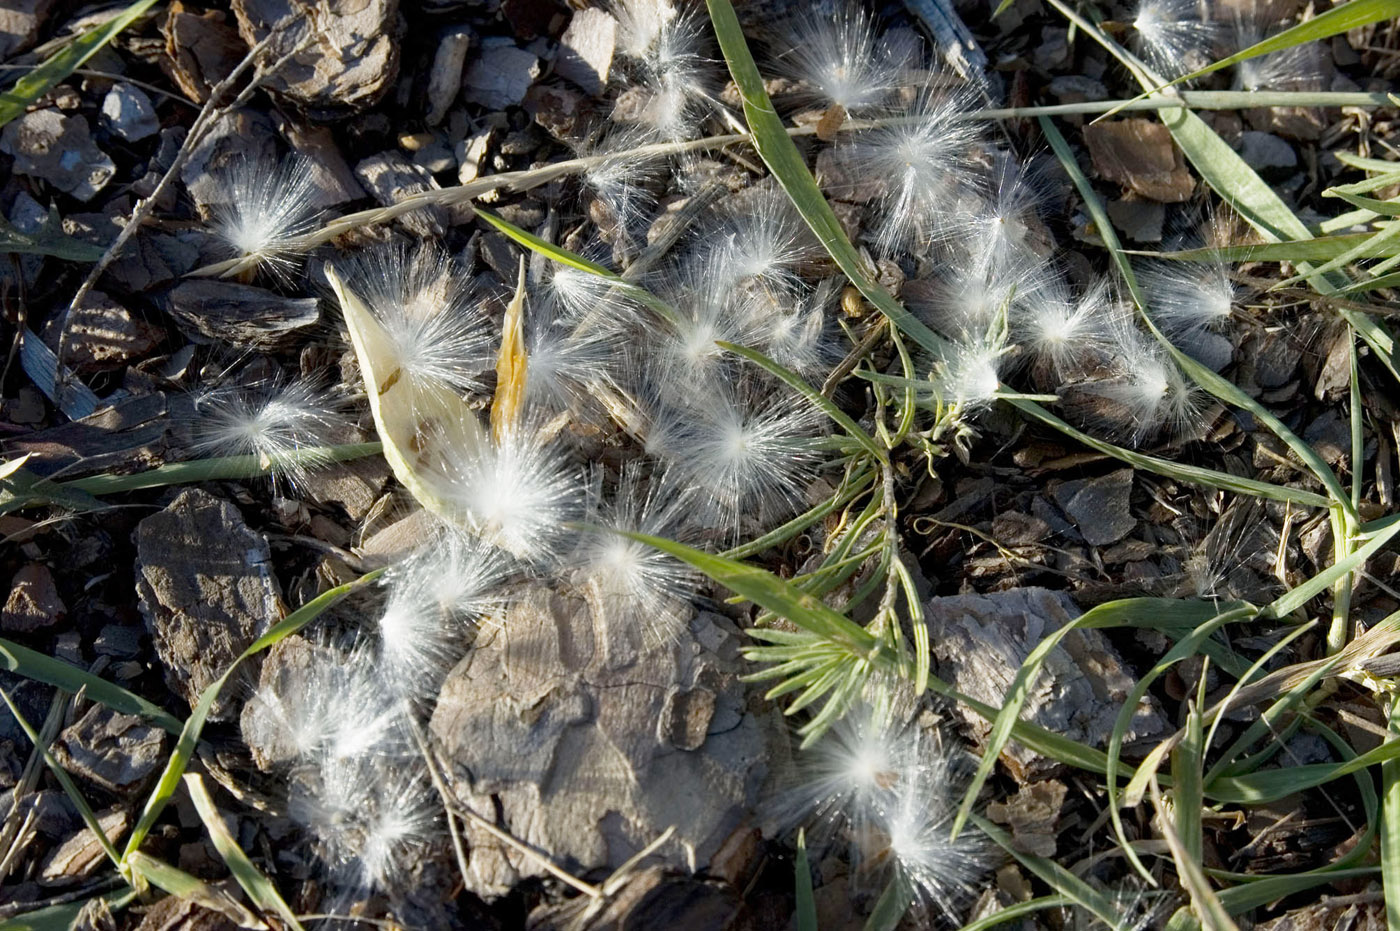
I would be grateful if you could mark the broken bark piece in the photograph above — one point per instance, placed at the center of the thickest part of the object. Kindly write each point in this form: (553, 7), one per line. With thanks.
(445, 78)
(33, 602)
(980, 642)
(1140, 155)
(588, 744)
(206, 590)
(212, 310)
(390, 177)
(1099, 506)
(118, 752)
(332, 174)
(1033, 815)
(81, 854)
(128, 436)
(58, 149)
(201, 49)
(345, 67)
(101, 334)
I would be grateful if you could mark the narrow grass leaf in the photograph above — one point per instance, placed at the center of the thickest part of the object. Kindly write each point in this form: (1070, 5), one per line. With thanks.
(49, 240)
(184, 886)
(1269, 785)
(1177, 470)
(805, 912)
(574, 260)
(69, 787)
(217, 469)
(189, 735)
(1377, 538)
(1297, 251)
(769, 591)
(34, 665)
(1018, 911)
(1325, 25)
(259, 888)
(890, 907)
(1251, 895)
(1390, 824)
(62, 917)
(1056, 877)
(65, 61)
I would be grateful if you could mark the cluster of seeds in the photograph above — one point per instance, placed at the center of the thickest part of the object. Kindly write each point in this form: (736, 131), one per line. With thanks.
(632, 416)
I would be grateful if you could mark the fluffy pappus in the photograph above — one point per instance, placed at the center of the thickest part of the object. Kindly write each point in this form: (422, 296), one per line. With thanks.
(1146, 393)
(266, 207)
(631, 582)
(1173, 37)
(517, 492)
(439, 334)
(746, 455)
(285, 424)
(673, 73)
(1060, 332)
(921, 162)
(840, 58)
(432, 597)
(1186, 298)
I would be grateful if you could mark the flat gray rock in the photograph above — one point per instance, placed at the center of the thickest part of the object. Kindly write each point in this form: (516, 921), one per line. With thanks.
(127, 111)
(20, 22)
(206, 590)
(979, 644)
(586, 49)
(500, 75)
(58, 149)
(445, 78)
(589, 745)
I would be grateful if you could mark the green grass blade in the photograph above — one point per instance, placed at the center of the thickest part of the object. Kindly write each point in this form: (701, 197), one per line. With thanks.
(34, 665)
(1272, 784)
(259, 888)
(49, 240)
(189, 735)
(1017, 911)
(1390, 824)
(184, 886)
(821, 401)
(1298, 251)
(219, 469)
(1377, 538)
(1242, 898)
(890, 907)
(1058, 878)
(66, 781)
(805, 913)
(1325, 25)
(769, 591)
(63, 917)
(574, 260)
(776, 148)
(64, 62)
(1181, 471)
